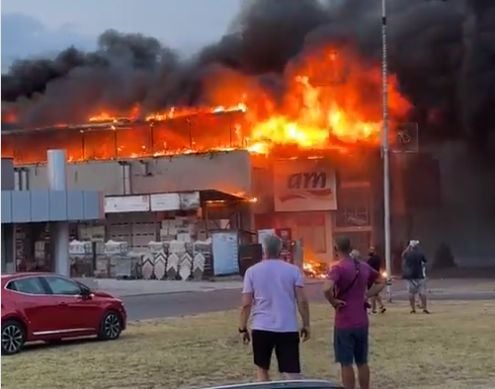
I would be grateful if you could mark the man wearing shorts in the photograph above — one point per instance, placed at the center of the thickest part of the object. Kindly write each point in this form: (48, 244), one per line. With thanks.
(346, 288)
(414, 272)
(273, 292)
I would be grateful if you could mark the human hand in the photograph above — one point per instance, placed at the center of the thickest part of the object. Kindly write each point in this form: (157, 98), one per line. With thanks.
(337, 304)
(245, 337)
(305, 334)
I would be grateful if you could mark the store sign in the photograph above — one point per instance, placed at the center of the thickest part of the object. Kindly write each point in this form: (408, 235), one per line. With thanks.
(127, 204)
(305, 185)
(165, 202)
(189, 201)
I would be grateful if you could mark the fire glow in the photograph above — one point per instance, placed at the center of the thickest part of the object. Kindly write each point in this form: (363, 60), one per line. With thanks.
(331, 98)
(314, 269)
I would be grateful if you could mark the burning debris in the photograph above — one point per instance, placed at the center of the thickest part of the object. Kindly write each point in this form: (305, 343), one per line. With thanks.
(314, 269)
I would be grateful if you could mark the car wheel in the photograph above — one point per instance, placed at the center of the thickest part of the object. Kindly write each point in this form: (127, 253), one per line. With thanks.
(13, 337)
(111, 326)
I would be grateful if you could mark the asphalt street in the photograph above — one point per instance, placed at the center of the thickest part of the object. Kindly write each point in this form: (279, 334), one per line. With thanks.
(190, 303)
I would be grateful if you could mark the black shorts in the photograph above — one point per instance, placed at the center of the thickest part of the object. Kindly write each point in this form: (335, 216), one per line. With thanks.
(286, 345)
(351, 345)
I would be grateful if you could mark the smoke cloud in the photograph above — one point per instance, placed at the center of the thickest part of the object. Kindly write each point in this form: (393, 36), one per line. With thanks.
(441, 51)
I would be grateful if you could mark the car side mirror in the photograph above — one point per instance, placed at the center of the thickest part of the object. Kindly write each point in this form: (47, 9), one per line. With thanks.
(85, 293)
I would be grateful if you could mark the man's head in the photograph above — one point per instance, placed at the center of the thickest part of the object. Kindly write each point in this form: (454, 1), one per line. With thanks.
(272, 246)
(355, 254)
(414, 244)
(343, 246)
(372, 250)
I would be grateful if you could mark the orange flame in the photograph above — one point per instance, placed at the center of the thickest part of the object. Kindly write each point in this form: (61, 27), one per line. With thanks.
(314, 269)
(330, 99)
(331, 95)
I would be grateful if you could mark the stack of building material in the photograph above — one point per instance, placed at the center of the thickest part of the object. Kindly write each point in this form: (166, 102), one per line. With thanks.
(79, 248)
(185, 266)
(147, 266)
(202, 259)
(159, 259)
(176, 250)
(168, 231)
(120, 265)
(81, 257)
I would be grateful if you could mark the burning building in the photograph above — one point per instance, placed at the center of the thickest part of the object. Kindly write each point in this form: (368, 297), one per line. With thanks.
(308, 162)
(271, 127)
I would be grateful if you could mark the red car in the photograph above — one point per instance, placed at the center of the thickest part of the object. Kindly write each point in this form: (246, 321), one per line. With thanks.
(50, 307)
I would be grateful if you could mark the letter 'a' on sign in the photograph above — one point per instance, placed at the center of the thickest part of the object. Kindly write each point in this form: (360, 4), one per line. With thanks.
(294, 181)
(304, 185)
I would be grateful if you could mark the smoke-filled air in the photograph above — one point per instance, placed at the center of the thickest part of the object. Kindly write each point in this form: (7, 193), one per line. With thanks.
(303, 71)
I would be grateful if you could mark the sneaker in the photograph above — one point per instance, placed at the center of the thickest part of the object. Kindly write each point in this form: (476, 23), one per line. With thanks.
(426, 311)
(413, 311)
(383, 310)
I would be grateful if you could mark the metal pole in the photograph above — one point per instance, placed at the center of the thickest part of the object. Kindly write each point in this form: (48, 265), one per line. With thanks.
(385, 153)
(57, 180)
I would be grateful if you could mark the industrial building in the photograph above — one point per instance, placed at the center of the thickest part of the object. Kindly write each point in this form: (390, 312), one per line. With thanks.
(151, 175)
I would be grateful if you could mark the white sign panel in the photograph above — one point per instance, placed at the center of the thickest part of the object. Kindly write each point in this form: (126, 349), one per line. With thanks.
(225, 253)
(127, 204)
(305, 185)
(165, 202)
(189, 200)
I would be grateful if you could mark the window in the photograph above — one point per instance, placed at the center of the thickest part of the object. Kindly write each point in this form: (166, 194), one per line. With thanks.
(31, 285)
(62, 286)
(354, 207)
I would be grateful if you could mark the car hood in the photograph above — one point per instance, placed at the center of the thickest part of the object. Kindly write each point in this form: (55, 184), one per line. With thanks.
(102, 293)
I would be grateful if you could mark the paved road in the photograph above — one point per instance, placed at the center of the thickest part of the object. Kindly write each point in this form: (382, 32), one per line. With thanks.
(190, 303)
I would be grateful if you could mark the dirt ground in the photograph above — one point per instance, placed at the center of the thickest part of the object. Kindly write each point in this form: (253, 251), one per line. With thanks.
(451, 348)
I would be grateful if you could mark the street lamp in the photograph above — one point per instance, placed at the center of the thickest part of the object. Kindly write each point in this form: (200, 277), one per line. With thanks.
(385, 153)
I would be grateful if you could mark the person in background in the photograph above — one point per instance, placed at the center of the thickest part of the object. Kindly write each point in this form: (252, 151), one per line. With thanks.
(375, 262)
(346, 289)
(414, 272)
(273, 292)
(355, 254)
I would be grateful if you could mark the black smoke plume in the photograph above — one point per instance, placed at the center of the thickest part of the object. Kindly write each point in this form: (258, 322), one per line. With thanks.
(443, 53)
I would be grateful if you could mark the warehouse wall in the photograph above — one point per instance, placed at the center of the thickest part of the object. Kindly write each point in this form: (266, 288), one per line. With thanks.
(225, 171)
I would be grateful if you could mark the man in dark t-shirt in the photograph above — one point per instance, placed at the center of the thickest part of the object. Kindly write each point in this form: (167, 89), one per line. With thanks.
(375, 262)
(413, 271)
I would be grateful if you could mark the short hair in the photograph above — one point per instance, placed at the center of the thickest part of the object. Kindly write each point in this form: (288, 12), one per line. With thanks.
(355, 254)
(343, 245)
(272, 246)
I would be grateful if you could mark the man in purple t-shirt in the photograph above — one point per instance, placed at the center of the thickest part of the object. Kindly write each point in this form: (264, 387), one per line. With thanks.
(346, 288)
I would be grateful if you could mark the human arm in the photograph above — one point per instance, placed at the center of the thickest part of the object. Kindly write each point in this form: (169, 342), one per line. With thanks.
(246, 304)
(302, 306)
(329, 288)
(376, 281)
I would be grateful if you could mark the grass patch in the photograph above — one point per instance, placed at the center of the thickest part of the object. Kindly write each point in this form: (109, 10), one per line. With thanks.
(451, 348)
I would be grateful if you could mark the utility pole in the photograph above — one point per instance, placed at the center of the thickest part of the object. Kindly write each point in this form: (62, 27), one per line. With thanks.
(386, 154)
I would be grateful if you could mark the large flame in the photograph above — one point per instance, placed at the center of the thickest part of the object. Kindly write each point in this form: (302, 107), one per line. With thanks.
(331, 95)
(328, 97)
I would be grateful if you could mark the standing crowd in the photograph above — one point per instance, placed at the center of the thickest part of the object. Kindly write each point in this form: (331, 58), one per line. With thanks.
(273, 293)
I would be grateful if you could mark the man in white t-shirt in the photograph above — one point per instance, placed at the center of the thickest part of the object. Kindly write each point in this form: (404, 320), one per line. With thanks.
(273, 292)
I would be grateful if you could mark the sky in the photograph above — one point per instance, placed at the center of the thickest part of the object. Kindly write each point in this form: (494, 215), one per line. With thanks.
(44, 27)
